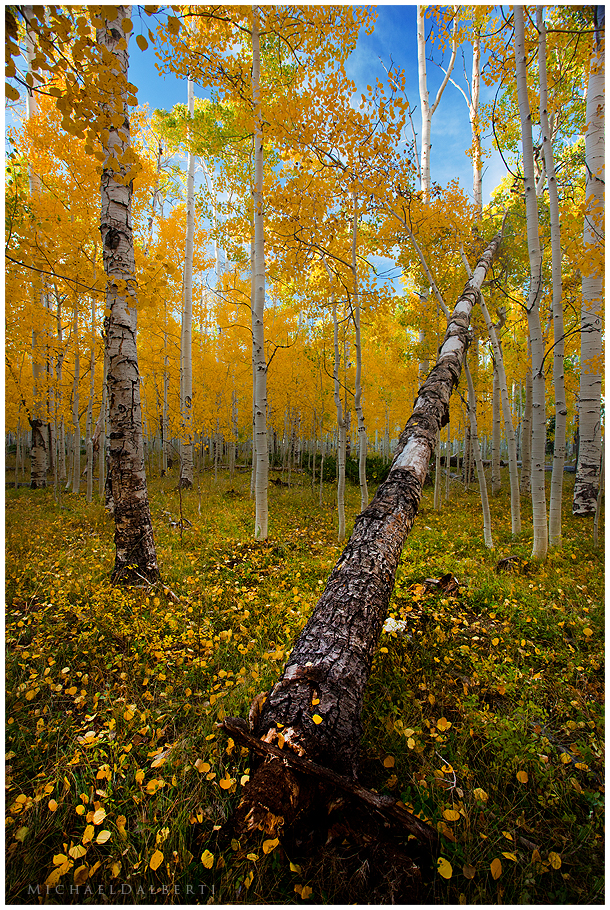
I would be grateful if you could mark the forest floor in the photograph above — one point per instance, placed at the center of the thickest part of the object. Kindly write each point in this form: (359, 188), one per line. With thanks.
(485, 716)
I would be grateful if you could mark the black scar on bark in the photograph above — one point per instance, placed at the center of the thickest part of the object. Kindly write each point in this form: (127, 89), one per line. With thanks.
(112, 239)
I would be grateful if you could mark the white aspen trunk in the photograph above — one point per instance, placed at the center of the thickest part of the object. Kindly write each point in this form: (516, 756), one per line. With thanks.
(447, 463)
(496, 419)
(362, 441)
(258, 330)
(103, 419)
(155, 197)
(426, 118)
(540, 544)
(89, 428)
(235, 431)
(477, 169)
(509, 431)
(476, 450)
(322, 452)
(526, 432)
(186, 354)
(561, 410)
(165, 417)
(75, 403)
(341, 425)
(135, 549)
(591, 358)
(437, 474)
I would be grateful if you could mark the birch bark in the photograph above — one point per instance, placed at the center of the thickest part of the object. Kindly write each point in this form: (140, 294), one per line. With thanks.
(136, 558)
(540, 544)
(589, 403)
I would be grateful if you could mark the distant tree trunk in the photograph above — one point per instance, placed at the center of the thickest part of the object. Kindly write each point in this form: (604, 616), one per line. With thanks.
(476, 452)
(342, 432)
(540, 545)
(75, 403)
(362, 441)
(332, 657)
(496, 421)
(526, 433)
(437, 474)
(89, 428)
(591, 357)
(136, 559)
(561, 410)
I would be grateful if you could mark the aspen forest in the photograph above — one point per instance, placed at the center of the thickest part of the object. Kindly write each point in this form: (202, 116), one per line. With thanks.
(304, 454)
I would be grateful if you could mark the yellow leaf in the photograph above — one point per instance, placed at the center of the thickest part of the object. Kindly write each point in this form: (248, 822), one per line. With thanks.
(536, 858)
(77, 851)
(114, 870)
(80, 810)
(522, 777)
(317, 719)
(564, 758)
(227, 782)
(295, 868)
(411, 743)
(11, 93)
(588, 632)
(269, 845)
(80, 875)
(244, 779)
(88, 835)
(59, 859)
(252, 856)
(452, 815)
(207, 859)
(496, 868)
(141, 42)
(139, 777)
(306, 892)
(128, 715)
(156, 860)
(555, 860)
(443, 724)
(103, 837)
(202, 766)
(444, 867)
(52, 805)
(173, 25)
(389, 761)
(511, 856)
(99, 816)
(479, 793)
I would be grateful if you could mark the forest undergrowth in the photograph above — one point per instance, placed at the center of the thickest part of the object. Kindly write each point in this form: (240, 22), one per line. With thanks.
(484, 711)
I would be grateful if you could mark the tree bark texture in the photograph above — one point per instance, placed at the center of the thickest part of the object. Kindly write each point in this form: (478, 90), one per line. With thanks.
(135, 549)
(332, 658)
(591, 358)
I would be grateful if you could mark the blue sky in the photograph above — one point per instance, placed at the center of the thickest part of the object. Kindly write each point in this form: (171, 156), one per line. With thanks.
(394, 39)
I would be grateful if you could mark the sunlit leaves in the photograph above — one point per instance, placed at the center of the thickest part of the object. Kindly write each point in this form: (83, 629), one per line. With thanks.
(496, 868)
(444, 867)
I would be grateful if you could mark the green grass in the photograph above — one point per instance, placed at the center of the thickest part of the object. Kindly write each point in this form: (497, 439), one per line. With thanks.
(486, 719)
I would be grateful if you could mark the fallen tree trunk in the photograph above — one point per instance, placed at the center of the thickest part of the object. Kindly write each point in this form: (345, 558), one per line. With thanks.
(314, 709)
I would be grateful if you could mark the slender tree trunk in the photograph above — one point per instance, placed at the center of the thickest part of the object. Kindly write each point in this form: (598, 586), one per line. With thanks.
(540, 545)
(364, 493)
(476, 451)
(186, 354)
(89, 429)
(136, 558)
(258, 332)
(591, 358)
(496, 421)
(332, 658)
(526, 433)
(437, 474)
(561, 410)
(75, 403)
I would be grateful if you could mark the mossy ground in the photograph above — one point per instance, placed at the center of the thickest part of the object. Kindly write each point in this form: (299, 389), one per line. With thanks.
(486, 717)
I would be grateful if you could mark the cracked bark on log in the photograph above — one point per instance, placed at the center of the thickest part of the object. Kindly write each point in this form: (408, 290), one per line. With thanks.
(332, 658)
